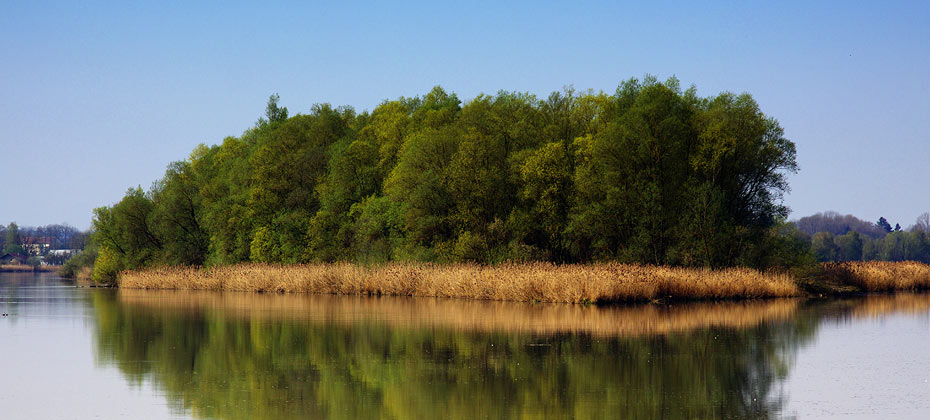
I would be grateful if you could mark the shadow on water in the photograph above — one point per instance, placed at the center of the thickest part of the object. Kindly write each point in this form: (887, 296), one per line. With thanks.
(236, 356)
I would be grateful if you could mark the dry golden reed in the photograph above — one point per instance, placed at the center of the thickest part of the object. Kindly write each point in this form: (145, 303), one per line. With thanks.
(880, 276)
(469, 315)
(21, 268)
(542, 282)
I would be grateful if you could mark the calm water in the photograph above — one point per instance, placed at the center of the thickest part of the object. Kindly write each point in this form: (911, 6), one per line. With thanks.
(68, 352)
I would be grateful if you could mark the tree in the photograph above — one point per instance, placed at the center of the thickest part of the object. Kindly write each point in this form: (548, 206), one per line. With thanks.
(273, 113)
(224, 189)
(848, 246)
(420, 182)
(177, 217)
(893, 247)
(649, 174)
(126, 233)
(922, 223)
(675, 179)
(838, 224)
(287, 166)
(12, 240)
(387, 129)
(547, 187)
(823, 247)
(34, 261)
(883, 224)
(630, 178)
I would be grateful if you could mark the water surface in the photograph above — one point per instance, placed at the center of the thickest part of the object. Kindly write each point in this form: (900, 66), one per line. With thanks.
(69, 352)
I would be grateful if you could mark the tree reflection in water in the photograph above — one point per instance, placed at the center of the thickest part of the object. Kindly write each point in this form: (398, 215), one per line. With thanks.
(219, 360)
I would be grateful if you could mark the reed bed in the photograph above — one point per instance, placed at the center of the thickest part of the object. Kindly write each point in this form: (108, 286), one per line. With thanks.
(23, 268)
(529, 282)
(880, 276)
(469, 315)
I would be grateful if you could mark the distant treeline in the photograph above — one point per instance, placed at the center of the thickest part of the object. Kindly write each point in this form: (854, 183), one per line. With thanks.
(650, 174)
(59, 236)
(33, 244)
(835, 237)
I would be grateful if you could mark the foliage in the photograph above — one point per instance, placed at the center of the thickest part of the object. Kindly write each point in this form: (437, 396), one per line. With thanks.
(59, 236)
(883, 224)
(12, 240)
(106, 266)
(73, 265)
(838, 224)
(858, 241)
(650, 174)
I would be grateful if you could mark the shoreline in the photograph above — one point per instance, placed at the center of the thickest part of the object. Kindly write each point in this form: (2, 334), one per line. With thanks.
(538, 282)
(23, 268)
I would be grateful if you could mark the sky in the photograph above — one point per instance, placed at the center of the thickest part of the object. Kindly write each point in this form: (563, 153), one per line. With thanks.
(98, 97)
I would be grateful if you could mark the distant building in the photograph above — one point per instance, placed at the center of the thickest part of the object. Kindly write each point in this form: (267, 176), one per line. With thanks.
(63, 252)
(13, 258)
(37, 245)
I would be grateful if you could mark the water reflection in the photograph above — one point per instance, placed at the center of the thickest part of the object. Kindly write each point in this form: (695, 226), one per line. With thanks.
(252, 356)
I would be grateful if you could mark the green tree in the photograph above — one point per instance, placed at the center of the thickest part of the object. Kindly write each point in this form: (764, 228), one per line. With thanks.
(548, 188)
(631, 178)
(848, 246)
(420, 184)
(379, 230)
(286, 167)
(126, 232)
(387, 129)
(353, 175)
(893, 247)
(12, 241)
(273, 113)
(225, 197)
(177, 216)
(823, 246)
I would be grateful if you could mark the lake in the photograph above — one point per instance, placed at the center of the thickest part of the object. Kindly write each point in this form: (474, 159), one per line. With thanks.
(68, 352)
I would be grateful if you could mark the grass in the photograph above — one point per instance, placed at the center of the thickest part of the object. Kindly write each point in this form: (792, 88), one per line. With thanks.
(527, 282)
(539, 282)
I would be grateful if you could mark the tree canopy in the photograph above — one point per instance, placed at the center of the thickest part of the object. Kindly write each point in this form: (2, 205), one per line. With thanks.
(651, 174)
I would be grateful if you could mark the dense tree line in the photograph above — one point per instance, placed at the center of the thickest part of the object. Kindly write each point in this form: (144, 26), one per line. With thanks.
(651, 174)
(833, 237)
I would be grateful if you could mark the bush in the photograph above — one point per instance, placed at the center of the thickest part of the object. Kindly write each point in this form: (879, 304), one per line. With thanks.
(83, 259)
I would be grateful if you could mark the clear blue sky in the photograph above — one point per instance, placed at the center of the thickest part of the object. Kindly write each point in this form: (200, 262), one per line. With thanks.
(96, 98)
